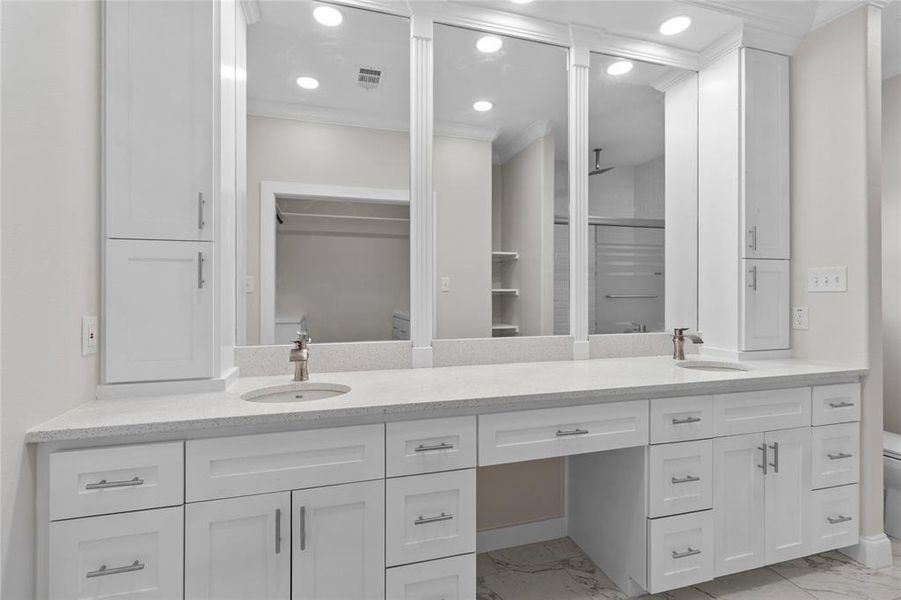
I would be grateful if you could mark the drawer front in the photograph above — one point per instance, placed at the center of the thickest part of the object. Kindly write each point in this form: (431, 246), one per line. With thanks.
(430, 516)
(272, 462)
(680, 478)
(681, 419)
(136, 555)
(754, 412)
(533, 434)
(445, 579)
(431, 445)
(113, 479)
(680, 551)
(835, 455)
(836, 403)
(834, 518)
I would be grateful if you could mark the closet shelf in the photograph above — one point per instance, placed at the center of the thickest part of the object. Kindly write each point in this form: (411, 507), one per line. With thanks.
(511, 291)
(499, 256)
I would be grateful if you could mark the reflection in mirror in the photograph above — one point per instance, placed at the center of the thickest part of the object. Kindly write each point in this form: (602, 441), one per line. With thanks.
(327, 174)
(626, 196)
(500, 173)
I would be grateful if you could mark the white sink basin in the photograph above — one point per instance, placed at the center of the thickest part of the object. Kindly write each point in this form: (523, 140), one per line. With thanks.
(713, 366)
(296, 392)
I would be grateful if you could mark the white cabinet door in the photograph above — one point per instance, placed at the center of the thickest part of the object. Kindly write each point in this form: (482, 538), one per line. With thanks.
(159, 310)
(765, 305)
(738, 503)
(339, 542)
(238, 548)
(160, 76)
(787, 494)
(765, 156)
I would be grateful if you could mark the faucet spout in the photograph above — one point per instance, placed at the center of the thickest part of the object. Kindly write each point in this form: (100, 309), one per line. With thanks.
(679, 336)
(300, 355)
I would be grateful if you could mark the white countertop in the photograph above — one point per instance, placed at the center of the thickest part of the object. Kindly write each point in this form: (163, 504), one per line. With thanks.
(418, 393)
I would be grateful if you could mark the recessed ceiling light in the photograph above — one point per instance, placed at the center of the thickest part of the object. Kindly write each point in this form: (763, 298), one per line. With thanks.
(675, 25)
(482, 106)
(328, 16)
(620, 67)
(489, 44)
(308, 83)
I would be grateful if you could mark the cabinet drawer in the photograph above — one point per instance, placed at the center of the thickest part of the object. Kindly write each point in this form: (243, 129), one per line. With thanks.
(448, 579)
(256, 464)
(753, 412)
(835, 455)
(680, 478)
(430, 516)
(533, 434)
(680, 551)
(134, 555)
(834, 518)
(427, 446)
(836, 403)
(681, 419)
(113, 479)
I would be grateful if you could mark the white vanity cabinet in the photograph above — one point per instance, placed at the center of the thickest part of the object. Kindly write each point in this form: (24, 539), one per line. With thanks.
(764, 305)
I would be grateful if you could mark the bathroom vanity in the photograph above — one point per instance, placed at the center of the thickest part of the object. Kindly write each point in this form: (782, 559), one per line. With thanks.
(676, 476)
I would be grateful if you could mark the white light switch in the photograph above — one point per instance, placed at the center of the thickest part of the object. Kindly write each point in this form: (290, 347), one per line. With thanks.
(800, 318)
(827, 279)
(88, 335)
(445, 284)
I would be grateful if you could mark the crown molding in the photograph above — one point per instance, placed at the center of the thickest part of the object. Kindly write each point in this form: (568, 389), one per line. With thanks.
(749, 36)
(605, 42)
(762, 18)
(672, 78)
(522, 140)
(721, 47)
(843, 9)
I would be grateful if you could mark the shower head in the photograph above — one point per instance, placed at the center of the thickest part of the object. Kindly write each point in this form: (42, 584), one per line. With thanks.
(597, 164)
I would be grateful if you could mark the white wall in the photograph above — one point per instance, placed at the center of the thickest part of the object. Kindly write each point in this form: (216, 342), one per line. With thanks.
(835, 191)
(891, 244)
(50, 216)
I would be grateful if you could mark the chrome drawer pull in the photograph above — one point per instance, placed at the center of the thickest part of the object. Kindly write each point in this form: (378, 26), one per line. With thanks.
(303, 527)
(442, 517)
(278, 531)
(561, 433)
(838, 519)
(839, 456)
(764, 465)
(689, 552)
(103, 571)
(686, 479)
(433, 447)
(200, 202)
(775, 463)
(103, 484)
(686, 420)
(841, 404)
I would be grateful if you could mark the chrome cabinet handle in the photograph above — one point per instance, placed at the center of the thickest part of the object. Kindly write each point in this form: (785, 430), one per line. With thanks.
(278, 531)
(764, 465)
(688, 552)
(775, 463)
(838, 519)
(200, 202)
(103, 571)
(562, 433)
(842, 404)
(752, 235)
(686, 479)
(686, 420)
(753, 284)
(103, 484)
(839, 456)
(303, 527)
(424, 520)
(200, 281)
(433, 447)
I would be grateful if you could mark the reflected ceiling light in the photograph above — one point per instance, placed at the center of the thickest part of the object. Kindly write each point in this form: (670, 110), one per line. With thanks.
(520, 1)
(482, 106)
(308, 83)
(489, 44)
(328, 16)
(675, 25)
(620, 67)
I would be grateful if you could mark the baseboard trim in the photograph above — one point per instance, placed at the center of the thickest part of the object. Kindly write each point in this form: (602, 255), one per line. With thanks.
(517, 535)
(872, 551)
(111, 391)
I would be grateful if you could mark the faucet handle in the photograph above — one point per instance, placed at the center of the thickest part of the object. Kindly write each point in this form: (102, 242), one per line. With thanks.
(680, 331)
(303, 338)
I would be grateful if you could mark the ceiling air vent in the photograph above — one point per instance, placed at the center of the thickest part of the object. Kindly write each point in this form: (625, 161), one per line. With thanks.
(369, 78)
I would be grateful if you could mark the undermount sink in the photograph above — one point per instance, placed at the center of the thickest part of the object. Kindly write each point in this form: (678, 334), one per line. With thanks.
(296, 392)
(711, 365)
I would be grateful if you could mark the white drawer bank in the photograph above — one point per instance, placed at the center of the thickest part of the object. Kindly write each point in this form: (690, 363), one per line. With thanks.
(699, 486)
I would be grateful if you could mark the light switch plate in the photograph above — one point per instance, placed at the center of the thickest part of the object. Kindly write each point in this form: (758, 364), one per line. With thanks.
(249, 284)
(89, 335)
(800, 318)
(827, 279)
(445, 284)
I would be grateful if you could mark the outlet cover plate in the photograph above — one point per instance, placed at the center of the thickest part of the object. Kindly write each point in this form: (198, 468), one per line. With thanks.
(827, 279)
(800, 318)
(89, 335)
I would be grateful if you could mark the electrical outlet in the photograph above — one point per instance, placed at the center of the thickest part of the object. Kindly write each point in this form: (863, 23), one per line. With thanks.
(800, 318)
(827, 279)
(445, 284)
(89, 334)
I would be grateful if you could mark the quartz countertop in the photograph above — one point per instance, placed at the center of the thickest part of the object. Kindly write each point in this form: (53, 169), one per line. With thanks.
(391, 395)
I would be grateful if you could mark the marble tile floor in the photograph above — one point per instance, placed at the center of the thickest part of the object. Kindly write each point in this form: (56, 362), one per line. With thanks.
(558, 570)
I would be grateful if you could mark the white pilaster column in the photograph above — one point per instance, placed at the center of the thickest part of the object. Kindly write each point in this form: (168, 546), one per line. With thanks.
(578, 65)
(422, 203)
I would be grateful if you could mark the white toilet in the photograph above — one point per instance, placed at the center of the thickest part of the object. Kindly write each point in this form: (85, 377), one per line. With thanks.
(891, 461)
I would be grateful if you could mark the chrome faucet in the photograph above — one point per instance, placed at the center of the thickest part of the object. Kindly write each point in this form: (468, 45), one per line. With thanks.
(300, 354)
(679, 336)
